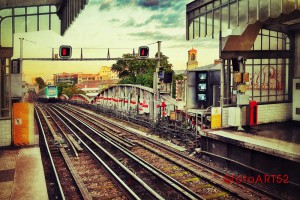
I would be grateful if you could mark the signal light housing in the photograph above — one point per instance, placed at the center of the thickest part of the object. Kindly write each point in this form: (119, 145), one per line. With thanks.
(143, 52)
(65, 51)
(168, 77)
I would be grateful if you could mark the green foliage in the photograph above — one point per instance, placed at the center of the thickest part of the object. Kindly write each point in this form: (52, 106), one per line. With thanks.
(69, 90)
(61, 86)
(139, 72)
(40, 82)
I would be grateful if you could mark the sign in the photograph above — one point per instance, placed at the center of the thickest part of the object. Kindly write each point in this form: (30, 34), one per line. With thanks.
(18, 121)
(216, 117)
(143, 52)
(65, 51)
(15, 66)
(173, 115)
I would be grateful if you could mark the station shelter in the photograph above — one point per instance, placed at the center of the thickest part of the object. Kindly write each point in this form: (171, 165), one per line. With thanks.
(21, 16)
(259, 48)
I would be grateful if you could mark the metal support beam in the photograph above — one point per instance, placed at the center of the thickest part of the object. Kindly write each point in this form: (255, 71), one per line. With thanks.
(85, 59)
(257, 54)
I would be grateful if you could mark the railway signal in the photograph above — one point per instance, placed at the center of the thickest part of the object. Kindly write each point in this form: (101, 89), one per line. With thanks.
(168, 77)
(65, 51)
(143, 52)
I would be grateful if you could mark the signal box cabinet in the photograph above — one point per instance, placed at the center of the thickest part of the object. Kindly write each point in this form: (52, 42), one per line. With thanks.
(207, 94)
(252, 113)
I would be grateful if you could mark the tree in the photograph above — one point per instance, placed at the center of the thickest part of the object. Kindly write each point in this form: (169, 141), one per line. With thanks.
(40, 82)
(70, 90)
(61, 86)
(139, 72)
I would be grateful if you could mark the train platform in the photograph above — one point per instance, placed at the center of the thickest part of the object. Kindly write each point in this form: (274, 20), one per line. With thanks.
(278, 139)
(22, 174)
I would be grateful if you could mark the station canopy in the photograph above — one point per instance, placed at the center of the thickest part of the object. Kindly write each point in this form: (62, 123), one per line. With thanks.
(66, 10)
(208, 17)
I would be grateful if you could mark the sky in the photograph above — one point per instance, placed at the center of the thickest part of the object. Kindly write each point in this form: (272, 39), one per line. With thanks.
(119, 25)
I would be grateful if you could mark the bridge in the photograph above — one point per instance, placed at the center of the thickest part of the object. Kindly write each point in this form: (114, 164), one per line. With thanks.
(133, 99)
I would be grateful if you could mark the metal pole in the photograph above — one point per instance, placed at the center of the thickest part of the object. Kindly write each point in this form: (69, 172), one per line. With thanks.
(21, 57)
(222, 89)
(158, 62)
(221, 77)
(155, 82)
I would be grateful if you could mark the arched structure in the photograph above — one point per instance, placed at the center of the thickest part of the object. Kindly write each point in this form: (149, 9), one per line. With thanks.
(80, 97)
(136, 99)
(63, 97)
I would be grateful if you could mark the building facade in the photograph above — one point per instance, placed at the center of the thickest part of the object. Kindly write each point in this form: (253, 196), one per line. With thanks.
(106, 73)
(192, 59)
(69, 78)
(88, 77)
(260, 39)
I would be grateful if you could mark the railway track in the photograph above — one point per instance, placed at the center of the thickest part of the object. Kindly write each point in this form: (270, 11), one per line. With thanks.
(190, 172)
(183, 176)
(50, 161)
(101, 181)
(163, 186)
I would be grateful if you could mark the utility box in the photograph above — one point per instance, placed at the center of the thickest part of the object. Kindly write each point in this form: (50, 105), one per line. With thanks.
(234, 116)
(296, 99)
(242, 99)
(23, 124)
(252, 113)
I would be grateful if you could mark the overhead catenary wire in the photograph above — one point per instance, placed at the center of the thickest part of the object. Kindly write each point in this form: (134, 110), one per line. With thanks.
(37, 43)
(85, 47)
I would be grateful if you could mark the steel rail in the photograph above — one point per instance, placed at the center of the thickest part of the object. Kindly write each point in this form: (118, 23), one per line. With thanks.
(172, 182)
(202, 164)
(65, 135)
(81, 186)
(102, 162)
(51, 159)
(190, 159)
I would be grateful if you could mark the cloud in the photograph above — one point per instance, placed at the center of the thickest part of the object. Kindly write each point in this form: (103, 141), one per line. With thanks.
(129, 23)
(154, 4)
(113, 20)
(105, 4)
(202, 43)
(165, 20)
(162, 5)
(153, 35)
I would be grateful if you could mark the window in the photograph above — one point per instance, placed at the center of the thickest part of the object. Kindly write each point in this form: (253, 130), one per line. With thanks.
(193, 56)
(269, 77)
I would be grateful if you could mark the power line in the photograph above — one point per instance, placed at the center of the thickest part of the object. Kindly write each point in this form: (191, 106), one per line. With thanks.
(37, 43)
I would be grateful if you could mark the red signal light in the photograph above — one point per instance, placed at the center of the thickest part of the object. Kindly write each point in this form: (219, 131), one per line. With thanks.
(144, 52)
(65, 51)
